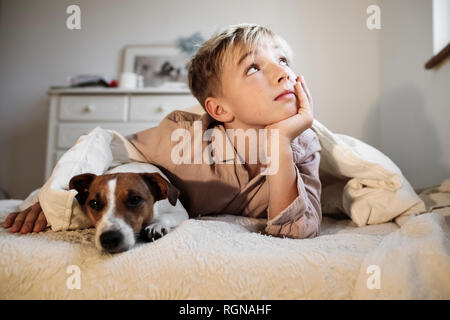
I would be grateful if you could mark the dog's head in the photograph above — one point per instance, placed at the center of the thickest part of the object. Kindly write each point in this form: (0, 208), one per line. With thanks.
(120, 205)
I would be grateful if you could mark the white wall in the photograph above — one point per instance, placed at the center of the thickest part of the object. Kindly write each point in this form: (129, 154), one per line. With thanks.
(337, 54)
(414, 107)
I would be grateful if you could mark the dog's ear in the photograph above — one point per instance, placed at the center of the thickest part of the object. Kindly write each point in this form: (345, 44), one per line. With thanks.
(160, 187)
(81, 183)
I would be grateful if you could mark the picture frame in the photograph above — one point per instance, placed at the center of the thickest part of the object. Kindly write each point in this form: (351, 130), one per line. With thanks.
(162, 66)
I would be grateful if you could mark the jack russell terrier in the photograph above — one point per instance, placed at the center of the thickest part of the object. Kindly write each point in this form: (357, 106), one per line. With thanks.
(129, 202)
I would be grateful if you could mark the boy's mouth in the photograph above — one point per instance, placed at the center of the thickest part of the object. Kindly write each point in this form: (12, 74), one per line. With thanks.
(285, 95)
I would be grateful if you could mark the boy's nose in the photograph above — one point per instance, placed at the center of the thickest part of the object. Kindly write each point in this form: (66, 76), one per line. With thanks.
(281, 74)
(283, 77)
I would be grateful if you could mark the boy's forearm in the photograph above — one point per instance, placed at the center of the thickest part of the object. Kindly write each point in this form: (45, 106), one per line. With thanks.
(283, 184)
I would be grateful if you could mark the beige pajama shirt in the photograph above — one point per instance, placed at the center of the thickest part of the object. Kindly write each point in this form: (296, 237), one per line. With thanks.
(223, 186)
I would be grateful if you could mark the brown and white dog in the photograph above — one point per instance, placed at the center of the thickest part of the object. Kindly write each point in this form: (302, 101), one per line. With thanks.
(131, 201)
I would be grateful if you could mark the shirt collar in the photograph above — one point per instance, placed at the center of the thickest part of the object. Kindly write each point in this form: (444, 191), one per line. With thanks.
(225, 152)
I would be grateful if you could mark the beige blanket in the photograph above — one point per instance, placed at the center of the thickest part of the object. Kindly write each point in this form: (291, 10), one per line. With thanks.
(224, 257)
(357, 179)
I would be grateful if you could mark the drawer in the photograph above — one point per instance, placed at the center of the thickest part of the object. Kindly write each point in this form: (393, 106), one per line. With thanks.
(68, 133)
(155, 108)
(91, 107)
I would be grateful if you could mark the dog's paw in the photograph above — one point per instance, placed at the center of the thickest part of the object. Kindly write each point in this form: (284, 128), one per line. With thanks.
(154, 231)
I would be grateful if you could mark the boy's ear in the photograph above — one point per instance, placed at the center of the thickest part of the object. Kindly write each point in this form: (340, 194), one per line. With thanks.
(217, 110)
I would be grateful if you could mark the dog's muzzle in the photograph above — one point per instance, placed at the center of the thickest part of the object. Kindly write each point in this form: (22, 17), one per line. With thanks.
(112, 241)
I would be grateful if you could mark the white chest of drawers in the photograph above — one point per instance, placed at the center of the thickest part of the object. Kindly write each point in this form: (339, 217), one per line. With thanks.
(74, 112)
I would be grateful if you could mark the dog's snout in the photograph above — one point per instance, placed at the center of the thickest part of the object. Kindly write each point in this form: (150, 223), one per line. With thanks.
(111, 240)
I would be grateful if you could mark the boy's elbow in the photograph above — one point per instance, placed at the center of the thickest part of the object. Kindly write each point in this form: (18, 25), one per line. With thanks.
(302, 228)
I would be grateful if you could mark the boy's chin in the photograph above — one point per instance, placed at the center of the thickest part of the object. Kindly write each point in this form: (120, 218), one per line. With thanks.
(286, 112)
(273, 116)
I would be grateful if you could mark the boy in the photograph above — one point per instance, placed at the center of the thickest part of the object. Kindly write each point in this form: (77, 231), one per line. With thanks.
(242, 79)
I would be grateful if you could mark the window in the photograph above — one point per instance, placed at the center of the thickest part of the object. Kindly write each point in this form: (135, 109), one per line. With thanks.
(441, 33)
(441, 24)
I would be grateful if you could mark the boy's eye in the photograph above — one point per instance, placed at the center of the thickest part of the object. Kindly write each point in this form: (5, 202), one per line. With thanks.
(284, 60)
(253, 66)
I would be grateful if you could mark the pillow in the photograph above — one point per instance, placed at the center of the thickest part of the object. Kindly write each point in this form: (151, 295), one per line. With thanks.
(375, 190)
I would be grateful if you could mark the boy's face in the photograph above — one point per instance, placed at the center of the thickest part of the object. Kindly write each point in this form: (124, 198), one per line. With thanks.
(251, 84)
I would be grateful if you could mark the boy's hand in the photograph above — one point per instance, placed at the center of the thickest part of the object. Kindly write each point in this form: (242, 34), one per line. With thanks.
(303, 119)
(31, 219)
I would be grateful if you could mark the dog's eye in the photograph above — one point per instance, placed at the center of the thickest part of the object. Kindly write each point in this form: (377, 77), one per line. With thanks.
(94, 204)
(134, 201)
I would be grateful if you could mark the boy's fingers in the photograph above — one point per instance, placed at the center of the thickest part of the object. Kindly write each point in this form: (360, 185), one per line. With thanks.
(305, 87)
(41, 222)
(30, 220)
(308, 96)
(18, 222)
(301, 95)
(10, 219)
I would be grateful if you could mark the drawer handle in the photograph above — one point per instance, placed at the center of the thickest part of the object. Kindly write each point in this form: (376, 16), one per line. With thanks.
(89, 108)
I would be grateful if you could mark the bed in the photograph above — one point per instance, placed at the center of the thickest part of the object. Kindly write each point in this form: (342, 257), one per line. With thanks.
(393, 242)
(230, 257)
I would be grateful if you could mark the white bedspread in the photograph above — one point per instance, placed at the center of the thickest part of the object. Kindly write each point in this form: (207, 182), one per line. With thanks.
(224, 257)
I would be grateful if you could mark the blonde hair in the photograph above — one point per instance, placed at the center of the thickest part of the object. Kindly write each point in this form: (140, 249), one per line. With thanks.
(206, 66)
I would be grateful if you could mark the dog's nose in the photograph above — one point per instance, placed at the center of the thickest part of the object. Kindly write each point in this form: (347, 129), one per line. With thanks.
(110, 240)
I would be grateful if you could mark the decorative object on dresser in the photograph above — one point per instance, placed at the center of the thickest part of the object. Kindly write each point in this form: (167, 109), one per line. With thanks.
(160, 65)
(164, 65)
(74, 112)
